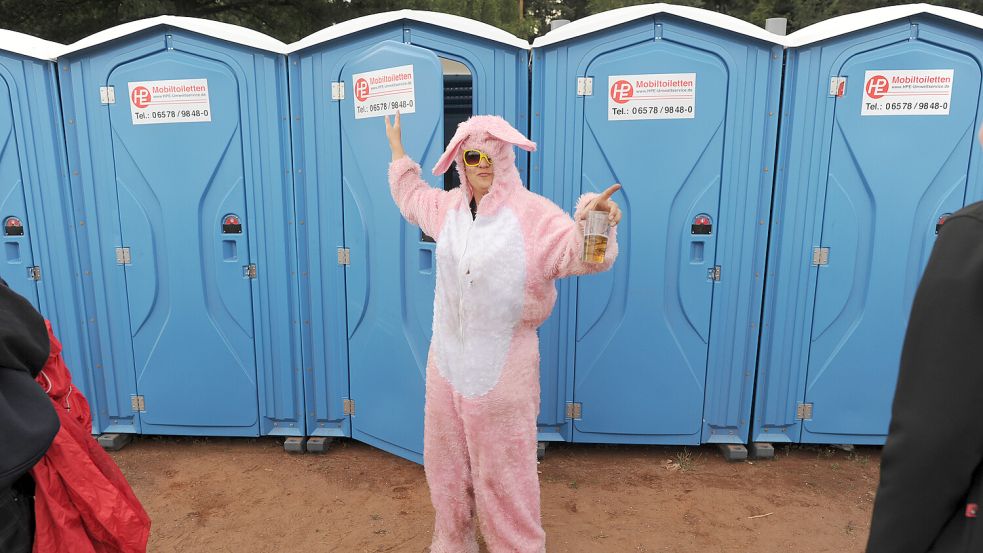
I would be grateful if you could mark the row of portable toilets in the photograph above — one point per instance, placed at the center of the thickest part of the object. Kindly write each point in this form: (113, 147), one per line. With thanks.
(202, 212)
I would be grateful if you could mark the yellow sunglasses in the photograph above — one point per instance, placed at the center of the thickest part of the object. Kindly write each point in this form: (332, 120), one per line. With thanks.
(472, 158)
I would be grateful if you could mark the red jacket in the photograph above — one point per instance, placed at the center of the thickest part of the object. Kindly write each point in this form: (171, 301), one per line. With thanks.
(83, 503)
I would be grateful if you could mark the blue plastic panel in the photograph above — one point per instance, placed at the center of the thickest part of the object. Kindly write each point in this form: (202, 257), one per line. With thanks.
(212, 351)
(316, 131)
(34, 188)
(191, 337)
(670, 305)
(655, 351)
(17, 255)
(391, 279)
(872, 189)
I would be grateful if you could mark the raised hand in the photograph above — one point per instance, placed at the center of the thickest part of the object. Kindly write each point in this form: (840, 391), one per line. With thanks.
(394, 132)
(605, 203)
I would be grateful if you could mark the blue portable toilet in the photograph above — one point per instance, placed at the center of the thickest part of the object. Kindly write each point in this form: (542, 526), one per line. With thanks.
(179, 156)
(679, 105)
(877, 147)
(367, 275)
(38, 258)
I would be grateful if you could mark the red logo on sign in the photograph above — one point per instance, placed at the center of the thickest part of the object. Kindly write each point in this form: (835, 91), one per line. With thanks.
(231, 220)
(877, 86)
(622, 91)
(361, 89)
(140, 97)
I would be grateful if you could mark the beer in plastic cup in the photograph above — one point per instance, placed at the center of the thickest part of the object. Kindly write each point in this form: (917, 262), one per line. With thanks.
(596, 236)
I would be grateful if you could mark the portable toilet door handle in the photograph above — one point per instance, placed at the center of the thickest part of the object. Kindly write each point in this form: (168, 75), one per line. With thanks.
(700, 229)
(426, 253)
(426, 260)
(231, 235)
(13, 235)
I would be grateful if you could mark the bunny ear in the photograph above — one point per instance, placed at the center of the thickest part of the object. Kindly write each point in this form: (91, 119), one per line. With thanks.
(495, 126)
(452, 152)
(501, 130)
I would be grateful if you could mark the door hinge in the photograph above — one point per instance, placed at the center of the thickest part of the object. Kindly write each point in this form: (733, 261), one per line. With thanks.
(249, 271)
(344, 256)
(803, 412)
(107, 94)
(34, 273)
(574, 411)
(123, 256)
(585, 86)
(837, 86)
(713, 273)
(820, 256)
(338, 91)
(139, 404)
(349, 407)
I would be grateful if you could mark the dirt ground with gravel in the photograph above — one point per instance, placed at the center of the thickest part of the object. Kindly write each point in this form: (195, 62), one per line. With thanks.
(248, 495)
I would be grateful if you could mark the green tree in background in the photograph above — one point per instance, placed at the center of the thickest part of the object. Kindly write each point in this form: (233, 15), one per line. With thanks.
(69, 20)
(289, 20)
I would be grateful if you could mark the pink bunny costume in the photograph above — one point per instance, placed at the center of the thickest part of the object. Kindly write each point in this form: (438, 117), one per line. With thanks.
(494, 288)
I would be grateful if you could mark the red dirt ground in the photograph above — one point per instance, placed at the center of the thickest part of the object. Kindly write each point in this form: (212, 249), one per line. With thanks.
(248, 495)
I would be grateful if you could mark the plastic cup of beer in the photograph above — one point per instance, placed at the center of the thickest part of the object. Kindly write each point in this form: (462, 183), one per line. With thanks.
(596, 236)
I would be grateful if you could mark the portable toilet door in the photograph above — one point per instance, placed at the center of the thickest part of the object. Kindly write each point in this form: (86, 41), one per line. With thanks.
(179, 155)
(678, 105)
(368, 275)
(22, 91)
(878, 146)
(39, 258)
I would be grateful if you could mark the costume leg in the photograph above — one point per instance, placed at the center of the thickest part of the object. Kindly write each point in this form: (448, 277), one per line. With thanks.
(501, 438)
(445, 460)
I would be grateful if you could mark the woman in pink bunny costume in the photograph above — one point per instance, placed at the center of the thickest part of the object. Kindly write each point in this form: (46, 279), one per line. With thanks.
(499, 248)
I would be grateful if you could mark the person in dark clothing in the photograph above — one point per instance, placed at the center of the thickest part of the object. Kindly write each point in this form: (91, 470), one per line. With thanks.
(28, 422)
(930, 468)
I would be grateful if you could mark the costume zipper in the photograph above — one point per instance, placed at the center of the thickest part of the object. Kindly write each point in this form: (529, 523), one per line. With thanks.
(463, 281)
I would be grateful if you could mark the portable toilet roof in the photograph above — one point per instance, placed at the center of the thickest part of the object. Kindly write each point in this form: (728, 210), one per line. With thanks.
(620, 16)
(849, 23)
(445, 20)
(207, 27)
(27, 45)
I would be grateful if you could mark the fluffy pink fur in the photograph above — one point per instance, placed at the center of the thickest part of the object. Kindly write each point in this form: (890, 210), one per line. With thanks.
(480, 448)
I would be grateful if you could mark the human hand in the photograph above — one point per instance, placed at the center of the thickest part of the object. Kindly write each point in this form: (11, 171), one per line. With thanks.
(605, 203)
(394, 132)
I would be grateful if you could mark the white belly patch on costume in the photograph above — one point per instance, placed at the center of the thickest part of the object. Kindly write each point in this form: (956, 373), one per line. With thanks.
(481, 277)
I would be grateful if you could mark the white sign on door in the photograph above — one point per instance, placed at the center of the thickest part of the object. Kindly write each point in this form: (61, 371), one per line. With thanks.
(384, 92)
(175, 101)
(657, 96)
(908, 92)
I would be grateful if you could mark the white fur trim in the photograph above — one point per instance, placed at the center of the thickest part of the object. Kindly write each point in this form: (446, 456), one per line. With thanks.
(481, 275)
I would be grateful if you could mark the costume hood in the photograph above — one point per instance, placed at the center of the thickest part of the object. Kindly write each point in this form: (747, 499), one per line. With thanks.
(495, 137)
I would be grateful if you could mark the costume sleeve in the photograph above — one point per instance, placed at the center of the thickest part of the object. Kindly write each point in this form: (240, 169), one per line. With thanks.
(936, 436)
(417, 201)
(562, 242)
